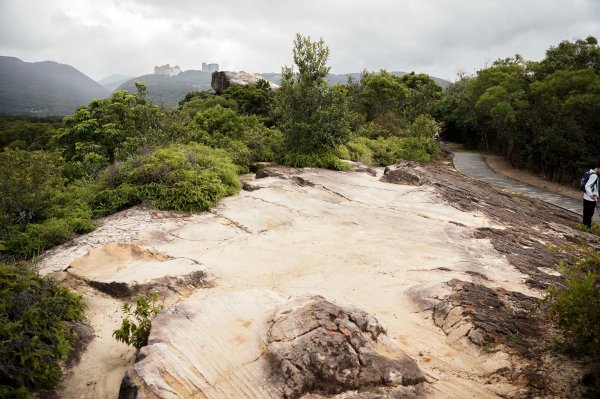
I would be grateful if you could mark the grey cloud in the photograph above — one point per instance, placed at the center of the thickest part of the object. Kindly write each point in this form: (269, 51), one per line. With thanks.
(438, 37)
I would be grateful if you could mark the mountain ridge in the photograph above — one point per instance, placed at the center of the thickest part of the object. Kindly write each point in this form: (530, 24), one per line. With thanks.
(44, 88)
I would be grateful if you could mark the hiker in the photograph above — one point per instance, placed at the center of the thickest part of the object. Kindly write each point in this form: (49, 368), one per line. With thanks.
(590, 194)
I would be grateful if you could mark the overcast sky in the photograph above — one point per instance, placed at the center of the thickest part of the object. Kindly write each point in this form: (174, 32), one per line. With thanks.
(439, 37)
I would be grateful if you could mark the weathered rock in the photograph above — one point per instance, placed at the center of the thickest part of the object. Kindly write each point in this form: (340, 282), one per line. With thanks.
(222, 80)
(408, 172)
(489, 316)
(262, 173)
(317, 346)
(123, 269)
(215, 348)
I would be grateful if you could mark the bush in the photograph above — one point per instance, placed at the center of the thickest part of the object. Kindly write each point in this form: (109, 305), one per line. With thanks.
(181, 177)
(325, 160)
(395, 149)
(359, 150)
(264, 144)
(28, 180)
(34, 337)
(576, 308)
(136, 333)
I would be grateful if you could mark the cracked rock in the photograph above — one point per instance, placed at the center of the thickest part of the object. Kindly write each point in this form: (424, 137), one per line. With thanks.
(315, 346)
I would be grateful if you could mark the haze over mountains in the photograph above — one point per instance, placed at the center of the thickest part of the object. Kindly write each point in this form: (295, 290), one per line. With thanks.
(50, 88)
(44, 88)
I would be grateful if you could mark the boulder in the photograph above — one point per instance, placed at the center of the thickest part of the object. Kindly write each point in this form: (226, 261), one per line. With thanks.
(316, 346)
(408, 172)
(222, 80)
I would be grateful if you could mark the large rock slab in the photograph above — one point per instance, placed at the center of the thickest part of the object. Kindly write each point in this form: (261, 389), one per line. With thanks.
(256, 344)
(121, 270)
(222, 80)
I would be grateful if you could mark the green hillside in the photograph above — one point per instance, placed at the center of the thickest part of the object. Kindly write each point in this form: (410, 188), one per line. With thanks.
(44, 88)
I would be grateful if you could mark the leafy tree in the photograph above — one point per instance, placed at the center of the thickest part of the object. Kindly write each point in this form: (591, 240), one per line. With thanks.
(579, 54)
(311, 115)
(252, 99)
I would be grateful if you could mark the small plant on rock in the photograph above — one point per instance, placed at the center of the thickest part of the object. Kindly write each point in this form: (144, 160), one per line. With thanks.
(136, 332)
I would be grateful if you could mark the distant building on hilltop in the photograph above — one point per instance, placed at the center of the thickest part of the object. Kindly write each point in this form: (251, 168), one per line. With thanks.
(210, 67)
(167, 70)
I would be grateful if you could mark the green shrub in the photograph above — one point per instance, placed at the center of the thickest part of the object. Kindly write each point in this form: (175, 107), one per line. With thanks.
(325, 160)
(577, 305)
(34, 337)
(136, 333)
(341, 151)
(359, 150)
(265, 144)
(40, 236)
(372, 130)
(28, 180)
(395, 149)
(181, 177)
(576, 308)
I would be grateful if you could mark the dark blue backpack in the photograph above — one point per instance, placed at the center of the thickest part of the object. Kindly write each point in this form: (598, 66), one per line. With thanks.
(584, 181)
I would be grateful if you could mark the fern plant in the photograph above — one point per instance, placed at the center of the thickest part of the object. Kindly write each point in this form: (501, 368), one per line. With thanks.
(135, 327)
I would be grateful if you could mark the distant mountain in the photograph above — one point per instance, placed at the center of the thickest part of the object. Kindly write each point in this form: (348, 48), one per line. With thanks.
(44, 88)
(169, 90)
(113, 81)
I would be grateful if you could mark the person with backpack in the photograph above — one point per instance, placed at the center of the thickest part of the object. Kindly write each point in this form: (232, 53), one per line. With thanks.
(589, 187)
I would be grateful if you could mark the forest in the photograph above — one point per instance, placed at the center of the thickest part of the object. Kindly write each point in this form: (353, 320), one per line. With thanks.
(540, 115)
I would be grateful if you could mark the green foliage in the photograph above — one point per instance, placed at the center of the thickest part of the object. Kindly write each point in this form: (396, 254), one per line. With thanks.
(114, 128)
(576, 306)
(34, 337)
(393, 101)
(325, 160)
(595, 229)
(181, 177)
(28, 180)
(541, 116)
(136, 332)
(251, 99)
(395, 149)
(31, 134)
(311, 115)
(37, 209)
(359, 151)
(264, 144)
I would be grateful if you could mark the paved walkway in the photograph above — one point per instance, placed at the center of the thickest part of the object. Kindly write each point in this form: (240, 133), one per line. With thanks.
(473, 165)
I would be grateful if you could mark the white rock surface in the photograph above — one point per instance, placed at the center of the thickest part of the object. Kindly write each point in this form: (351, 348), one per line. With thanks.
(346, 236)
(209, 348)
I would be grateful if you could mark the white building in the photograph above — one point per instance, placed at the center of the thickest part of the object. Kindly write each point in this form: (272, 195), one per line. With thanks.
(167, 70)
(210, 67)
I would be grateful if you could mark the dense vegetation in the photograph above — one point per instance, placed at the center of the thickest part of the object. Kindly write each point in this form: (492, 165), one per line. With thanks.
(34, 337)
(544, 115)
(576, 308)
(56, 176)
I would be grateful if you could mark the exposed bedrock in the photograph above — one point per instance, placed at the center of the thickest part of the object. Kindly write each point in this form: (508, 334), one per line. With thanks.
(256, 344)
(122, 270)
